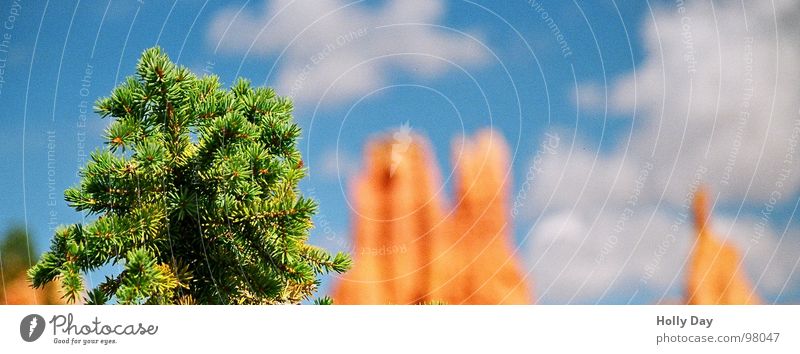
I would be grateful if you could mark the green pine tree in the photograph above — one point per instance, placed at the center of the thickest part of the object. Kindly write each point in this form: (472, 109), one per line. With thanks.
(196, 196)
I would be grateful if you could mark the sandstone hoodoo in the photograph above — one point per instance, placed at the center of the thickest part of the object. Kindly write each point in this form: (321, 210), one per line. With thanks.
(459, 253)
(716, 270)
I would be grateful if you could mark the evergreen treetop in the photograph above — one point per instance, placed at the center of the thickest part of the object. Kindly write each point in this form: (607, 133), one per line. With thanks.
(196, 196)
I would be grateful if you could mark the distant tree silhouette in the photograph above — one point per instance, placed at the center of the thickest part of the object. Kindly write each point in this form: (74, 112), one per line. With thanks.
(15, 258)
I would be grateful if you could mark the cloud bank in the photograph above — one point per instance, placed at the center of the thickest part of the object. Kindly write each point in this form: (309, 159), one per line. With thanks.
(339, 50)
(715, 103)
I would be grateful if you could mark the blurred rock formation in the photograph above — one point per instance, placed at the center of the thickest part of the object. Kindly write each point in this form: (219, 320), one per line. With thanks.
(411, 247)
(15, 259)
(716, 271)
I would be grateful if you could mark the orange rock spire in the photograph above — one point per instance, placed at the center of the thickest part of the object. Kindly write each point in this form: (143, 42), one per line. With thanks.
(407, 250)
(15, 259)
(481, 221)
(716, 273)
(396, 213)
(19, 292)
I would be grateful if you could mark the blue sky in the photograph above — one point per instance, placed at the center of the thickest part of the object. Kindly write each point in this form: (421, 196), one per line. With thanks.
(446, 68)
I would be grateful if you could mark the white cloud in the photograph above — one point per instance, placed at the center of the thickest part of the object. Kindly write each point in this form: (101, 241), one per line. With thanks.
(573, 178)
(601, 239)
(344, 48)
(602, 257)
(597, 237)
(590, 97)
(716, 103)
(583, 259)
(770, 257)
(719, 89)
(336, 165)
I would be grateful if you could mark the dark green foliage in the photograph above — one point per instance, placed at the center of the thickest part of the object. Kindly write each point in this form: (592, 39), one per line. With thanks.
(15, 255)
(196, 196)
(326, 300)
